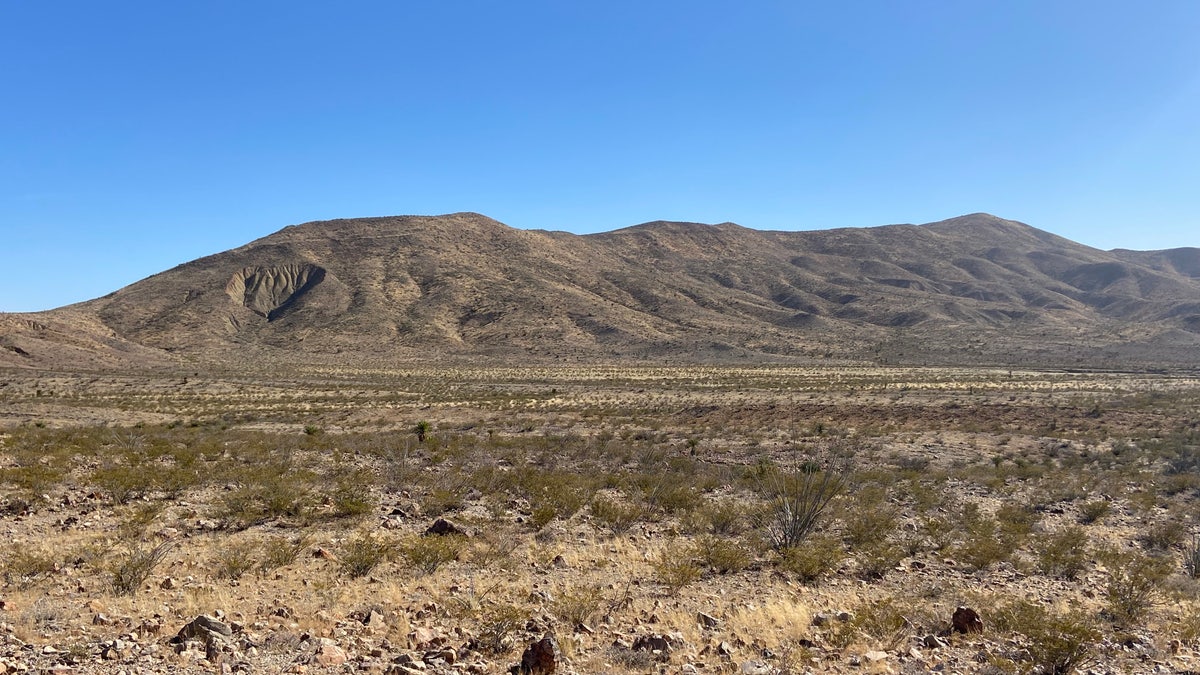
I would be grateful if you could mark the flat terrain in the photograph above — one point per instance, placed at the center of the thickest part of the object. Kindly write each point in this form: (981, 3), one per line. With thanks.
(643, 516)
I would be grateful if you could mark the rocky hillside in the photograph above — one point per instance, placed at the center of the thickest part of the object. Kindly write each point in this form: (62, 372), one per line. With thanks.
(973, 289)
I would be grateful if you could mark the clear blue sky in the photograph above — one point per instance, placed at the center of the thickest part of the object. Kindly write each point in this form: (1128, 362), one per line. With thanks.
(137, 135)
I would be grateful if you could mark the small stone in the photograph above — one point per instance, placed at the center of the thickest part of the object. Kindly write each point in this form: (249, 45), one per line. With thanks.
(875, 655)
(707, 620)
(168, 584)
(934, 642)
(725, 649)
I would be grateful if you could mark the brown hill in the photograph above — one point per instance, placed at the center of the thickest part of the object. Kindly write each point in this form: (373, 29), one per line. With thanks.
(974, 289)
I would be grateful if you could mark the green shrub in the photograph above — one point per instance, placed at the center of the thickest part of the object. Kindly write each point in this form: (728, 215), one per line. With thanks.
(675, 568)
(363, 553)
(1135, 581)
(235, 559)
(722, 555)
(1063, 554)
(23, 565)
(615, 515)
(813, 559)
(1094, 511)
(427, 554)
(497, 625)
(984, 544)
(281, 551)
(1163, 536)
(579, 604)
(876, 560)
(1058, 643)
(132, 567)
(797, 503)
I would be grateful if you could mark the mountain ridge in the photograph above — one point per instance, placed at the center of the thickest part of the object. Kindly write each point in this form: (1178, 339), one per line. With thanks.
(971, 289)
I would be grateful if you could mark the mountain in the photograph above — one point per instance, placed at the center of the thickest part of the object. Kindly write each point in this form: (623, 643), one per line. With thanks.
(970, 290)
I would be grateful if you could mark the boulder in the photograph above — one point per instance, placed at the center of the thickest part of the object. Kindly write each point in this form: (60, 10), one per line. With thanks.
(540, 658)
(966, 620)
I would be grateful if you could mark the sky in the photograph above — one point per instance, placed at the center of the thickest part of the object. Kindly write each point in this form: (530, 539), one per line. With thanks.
(138, 135)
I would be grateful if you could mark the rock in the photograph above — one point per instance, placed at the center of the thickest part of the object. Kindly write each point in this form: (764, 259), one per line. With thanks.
(934, 642)
(101, 620)
(324, 554)
(330, 655)
(652, 643)
(725, 649)
(707, 620)
(540, 658)
(204, 628)
(442, 527)
(875, 655)
(755, 668)
(821, 618)
(845, 617)
(168, 583)
(966, 620)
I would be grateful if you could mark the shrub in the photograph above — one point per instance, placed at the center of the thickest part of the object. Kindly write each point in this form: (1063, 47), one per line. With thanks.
(876, 560)
(871, 520)
(235, 559)
(1063, 554)
(427, 554)
(1134, 582)
(675, 568)
(722, 555)
(814, 558)
(133, 567)
(497, 625)
(1164, 535)
(1057, 643)
(280, 551)
(1191, 557)
(23, 565)
(1093, 511)
(798, 502)
(617, 516)
(579, 604)
(883, 623)
(985, 544)
(364, 553)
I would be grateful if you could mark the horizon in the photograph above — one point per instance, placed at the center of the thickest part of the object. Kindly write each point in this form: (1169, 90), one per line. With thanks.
(148, 135)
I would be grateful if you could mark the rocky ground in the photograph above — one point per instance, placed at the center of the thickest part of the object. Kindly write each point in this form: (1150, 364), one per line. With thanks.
(618, 530)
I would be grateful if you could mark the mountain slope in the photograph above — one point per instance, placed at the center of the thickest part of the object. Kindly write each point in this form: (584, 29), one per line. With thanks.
(974, 289)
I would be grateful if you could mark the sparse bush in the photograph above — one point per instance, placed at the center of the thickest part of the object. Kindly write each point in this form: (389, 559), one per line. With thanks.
(497, 624)
(1063, 554)
(1094, 511)
(1134, 582)
(363, 553)
(876, 560)
(1164, 535)
(813, 559)
(617, 516)
(132, 567)
(23, 565)
(427, 554)
(1191, 557)
(883, 623)
(1057, 643)
(579, 604)
(675, 568)
(722, 555)
(798, 502)
(985, 544)
(235, 559)
(281, 551)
